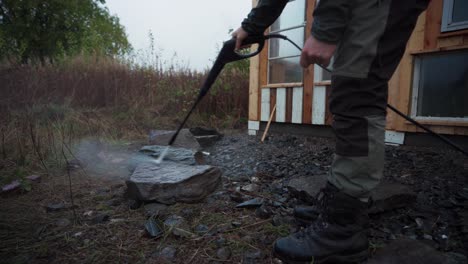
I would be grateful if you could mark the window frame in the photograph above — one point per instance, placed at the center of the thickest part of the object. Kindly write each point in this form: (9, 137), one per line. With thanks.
(415, 96)
(302, 25)
(447, 13)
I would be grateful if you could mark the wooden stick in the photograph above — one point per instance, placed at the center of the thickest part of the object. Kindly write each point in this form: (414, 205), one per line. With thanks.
(268, 124)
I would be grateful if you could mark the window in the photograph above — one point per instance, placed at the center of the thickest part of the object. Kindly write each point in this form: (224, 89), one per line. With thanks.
(440, 86)
(283, 57)
(455, 15)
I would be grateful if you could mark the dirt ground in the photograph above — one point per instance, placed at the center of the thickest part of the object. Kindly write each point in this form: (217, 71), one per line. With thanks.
(42, 226)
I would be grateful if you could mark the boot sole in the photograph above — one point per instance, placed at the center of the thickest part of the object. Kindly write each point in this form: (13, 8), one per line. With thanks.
(348, 259)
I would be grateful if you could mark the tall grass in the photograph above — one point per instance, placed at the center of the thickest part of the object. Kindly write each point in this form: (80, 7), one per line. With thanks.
(44, 106)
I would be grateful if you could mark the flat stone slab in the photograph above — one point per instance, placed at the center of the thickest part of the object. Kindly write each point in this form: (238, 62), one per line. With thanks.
(206, 136)
(169, 182)
(185, 139)
(408, 251)
(386, 196)
(178, 155)
(307, 187)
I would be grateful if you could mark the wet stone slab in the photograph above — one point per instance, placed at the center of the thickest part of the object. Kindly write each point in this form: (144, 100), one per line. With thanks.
(169, 182)
(174, 154)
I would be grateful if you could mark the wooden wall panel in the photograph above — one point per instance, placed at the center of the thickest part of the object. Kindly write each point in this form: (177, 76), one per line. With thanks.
(289, 104)
(328, 114)
(309, 72)
(432, 24)
(450, 41)
(273, 101)
(254, 87)
(254, 84)
(393, 98)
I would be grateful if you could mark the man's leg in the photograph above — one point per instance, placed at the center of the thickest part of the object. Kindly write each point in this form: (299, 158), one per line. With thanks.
(366, 59)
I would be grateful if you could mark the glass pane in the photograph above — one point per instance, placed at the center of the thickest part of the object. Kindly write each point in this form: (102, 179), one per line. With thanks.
(460, 11)
(443, 85)
(293, 15)
(282, 48)
(285, 70)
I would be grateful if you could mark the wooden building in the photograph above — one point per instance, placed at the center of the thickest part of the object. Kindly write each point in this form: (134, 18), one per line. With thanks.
(430, 84)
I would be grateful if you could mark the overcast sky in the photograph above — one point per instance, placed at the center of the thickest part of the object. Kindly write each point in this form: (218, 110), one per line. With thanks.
(192, 29)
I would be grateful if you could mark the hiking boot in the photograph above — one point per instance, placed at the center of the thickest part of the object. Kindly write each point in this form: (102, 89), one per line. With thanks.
(306, 214)
(339, 235)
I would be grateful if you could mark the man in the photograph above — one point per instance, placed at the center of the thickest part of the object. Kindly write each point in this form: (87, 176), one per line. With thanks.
(367, 39)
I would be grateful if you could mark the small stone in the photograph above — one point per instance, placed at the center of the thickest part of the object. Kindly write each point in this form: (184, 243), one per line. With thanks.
(168, 254)
(152, 228)
(78, 234)
(236, 223)
(88, 213)
(251, 203)
(253, 257)
(201, 229)
(179, 232)
(250, 188)
(134, 204)
(187, 212)
(237, 197)
(155, 209)
(100, 218)
(63, 222)
(263, 212)
(223, 253)
(34, 178)
(55, 207)
(13, 186)
(428, 237)
(174, 221)
(221, 241)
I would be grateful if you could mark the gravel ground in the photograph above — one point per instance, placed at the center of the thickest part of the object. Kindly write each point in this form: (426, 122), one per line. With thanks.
(439, 177)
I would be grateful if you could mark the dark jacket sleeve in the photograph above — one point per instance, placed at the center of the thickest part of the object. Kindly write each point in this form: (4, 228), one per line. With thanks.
(330, 19)
(263, 15)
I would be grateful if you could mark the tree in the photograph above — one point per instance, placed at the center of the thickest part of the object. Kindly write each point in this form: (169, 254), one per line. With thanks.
(40, 29)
